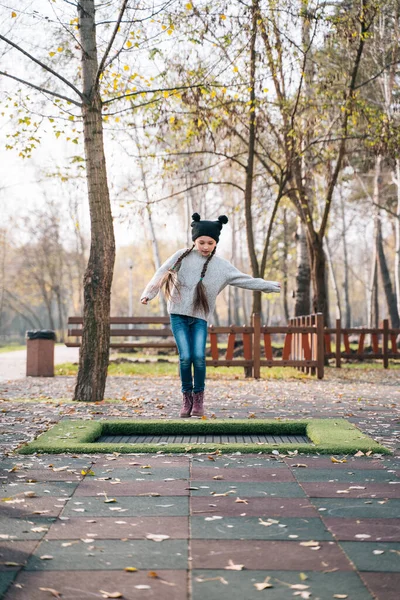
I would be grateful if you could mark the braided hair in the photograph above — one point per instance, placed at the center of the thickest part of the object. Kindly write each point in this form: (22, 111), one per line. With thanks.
(170, 281)
(200, 296)
(170, 278)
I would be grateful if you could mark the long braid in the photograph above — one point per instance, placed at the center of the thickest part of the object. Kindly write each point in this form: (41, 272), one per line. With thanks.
(200, 296)
(170, 279)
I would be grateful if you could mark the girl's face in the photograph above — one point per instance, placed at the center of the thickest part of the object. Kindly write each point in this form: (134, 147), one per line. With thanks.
(205, 245)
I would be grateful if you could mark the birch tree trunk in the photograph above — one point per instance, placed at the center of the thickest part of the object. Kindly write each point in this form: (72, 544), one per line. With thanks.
(397, 230)
(94, 355)
(386, 281)
(303, 276)
(347, 305)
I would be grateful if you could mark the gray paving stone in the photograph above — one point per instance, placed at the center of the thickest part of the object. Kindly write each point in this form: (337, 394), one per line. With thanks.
(21, 529)
(6, 578)
(109, 555)
(208, 584)
(374, 556)
(56, 489)
(354, 476)
(255, 528)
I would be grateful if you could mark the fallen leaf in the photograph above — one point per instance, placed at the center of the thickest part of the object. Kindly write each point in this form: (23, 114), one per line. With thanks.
(263, 585)
(53, 592)
(378, 552)
(335, 460)
(10, 563)
(221, 579)
(39, 529)
(359, 453)
(46, 557)
(111, 594)
(130, 569)
(152, 574)
(300, 465)
(240, 501)
(232, 567)
(157, 537)
(303, 576)
(88, 472)
(299, 586)
(265, 523)
(30, 494)
(142, 587)
(343, 596)
(218, 477)
(310, 544)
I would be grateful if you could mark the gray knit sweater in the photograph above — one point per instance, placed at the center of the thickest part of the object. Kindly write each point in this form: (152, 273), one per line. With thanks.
(219, 274)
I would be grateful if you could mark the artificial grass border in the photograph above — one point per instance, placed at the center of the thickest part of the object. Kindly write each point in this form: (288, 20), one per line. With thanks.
(328, 436)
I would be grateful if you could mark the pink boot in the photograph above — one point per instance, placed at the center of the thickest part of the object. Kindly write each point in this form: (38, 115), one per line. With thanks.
(187, 404)
(198, 400)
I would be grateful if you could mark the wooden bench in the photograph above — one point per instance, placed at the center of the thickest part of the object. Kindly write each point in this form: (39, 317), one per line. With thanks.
(130, 330)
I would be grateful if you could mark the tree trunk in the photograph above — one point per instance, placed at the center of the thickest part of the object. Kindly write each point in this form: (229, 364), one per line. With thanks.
(303, 276)
(333, 279)
(248, 193)
(318, 276)
(285, 266)
(397, 229)
(94, 355)
(386, 281)
(345, 268)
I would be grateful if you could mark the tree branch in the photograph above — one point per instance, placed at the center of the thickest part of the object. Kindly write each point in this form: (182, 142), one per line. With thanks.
(110, 43)
(196, 185)
(41, 64)
(41, 89)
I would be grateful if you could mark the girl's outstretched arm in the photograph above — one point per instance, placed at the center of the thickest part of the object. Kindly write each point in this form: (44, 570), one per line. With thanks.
(153, 287)
(239, 279)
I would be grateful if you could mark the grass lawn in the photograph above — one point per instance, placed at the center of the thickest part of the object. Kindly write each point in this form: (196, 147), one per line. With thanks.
(327, 436)
(12, 348)
(156, 369)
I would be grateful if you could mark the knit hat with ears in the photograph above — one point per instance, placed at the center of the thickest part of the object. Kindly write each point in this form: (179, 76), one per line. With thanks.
(211, 229)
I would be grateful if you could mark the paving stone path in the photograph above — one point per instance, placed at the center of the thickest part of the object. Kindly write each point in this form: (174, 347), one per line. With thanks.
(202, 527)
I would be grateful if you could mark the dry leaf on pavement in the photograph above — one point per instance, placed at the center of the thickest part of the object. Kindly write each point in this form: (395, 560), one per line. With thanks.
(233, 567)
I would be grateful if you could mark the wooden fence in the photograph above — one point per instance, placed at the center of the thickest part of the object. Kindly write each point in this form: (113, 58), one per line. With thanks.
(303, 346)
(379, 339)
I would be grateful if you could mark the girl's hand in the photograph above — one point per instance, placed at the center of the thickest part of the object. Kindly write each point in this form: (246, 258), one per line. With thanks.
(144, 300)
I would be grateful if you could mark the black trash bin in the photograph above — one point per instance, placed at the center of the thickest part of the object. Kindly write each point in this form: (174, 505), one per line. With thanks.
(40, 353)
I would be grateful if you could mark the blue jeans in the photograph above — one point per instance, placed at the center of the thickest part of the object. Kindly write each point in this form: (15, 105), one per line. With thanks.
(190, 334)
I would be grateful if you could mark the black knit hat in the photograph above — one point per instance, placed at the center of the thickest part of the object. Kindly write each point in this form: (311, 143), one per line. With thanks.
(210, 228)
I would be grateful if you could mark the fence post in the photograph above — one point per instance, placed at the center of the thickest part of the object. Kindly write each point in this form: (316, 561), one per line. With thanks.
(385, 343)
(338, 343)
(320, 345)
(256, 344)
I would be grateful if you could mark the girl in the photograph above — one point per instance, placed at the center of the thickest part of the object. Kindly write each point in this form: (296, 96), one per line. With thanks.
(193, 278)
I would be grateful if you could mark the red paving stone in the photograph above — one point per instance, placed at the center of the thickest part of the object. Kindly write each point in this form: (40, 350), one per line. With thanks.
(384, 586)
(351, 490)
(243, 474)
(169, 585)
(271, 555)
(323, 462)
(383, 530)
(15, 552)
(118, 527)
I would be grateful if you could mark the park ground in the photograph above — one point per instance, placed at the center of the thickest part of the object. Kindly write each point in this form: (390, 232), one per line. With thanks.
(201, 526)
